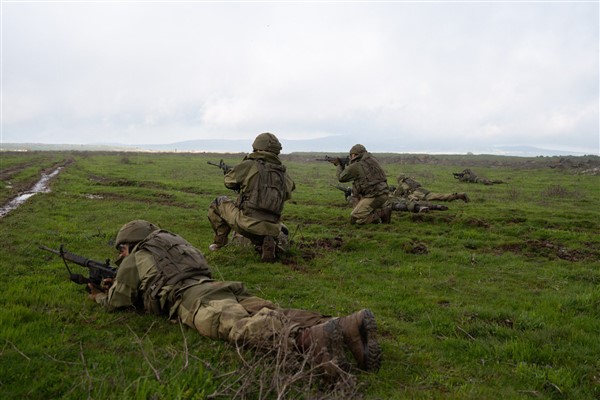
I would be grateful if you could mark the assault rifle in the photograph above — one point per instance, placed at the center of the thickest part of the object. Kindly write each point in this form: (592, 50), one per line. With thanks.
(336, 160)
(458, 175)
(220, 165)
(347, 190)
(98, 270)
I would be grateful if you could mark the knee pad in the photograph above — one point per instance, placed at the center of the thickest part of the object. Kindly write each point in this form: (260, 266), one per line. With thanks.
(220, 200)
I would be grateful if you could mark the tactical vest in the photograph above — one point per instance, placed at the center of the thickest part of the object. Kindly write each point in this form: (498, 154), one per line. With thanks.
(374, 181)
(176, 260)
(410, 186)
(265, 194)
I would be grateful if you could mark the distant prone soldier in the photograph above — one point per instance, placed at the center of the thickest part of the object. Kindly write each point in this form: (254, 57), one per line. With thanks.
(396, 203)
(412, 190)
(469, 176)
(401, 204)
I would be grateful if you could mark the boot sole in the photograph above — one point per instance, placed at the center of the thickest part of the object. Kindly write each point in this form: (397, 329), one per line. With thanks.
(372, 350)
(336, 345)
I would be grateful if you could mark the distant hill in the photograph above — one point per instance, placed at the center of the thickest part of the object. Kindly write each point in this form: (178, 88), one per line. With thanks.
(330, 144)
(530, 151)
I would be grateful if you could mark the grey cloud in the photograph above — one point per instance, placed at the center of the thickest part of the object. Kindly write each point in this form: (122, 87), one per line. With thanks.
(432, 74)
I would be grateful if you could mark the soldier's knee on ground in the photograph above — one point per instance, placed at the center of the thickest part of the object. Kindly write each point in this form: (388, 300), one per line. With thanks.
(220, 200)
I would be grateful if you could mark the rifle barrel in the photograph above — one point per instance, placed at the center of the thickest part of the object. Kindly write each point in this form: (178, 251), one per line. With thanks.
(82, 261)
(49, 249)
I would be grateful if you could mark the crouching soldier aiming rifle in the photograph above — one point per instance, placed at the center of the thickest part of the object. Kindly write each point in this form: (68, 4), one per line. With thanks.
(165, 275)
(369, 186)
(264, 186)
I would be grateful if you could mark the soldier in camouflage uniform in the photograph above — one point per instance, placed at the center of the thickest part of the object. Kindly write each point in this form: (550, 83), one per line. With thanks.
(402, 204)
(164, 274)
(412, 190)
(263, 185)
(369, 187)
(469, 176)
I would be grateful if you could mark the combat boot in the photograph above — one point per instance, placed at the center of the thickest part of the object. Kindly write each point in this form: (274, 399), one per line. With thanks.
(422, 209)
(218, 242)
(283, 242)
(268, 249)
(325, 343)
(461, 196)
(359, 331)
(399, 206)
(386, 214)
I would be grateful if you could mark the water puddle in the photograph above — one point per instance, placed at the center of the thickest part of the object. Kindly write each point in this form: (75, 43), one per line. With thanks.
(40, 187)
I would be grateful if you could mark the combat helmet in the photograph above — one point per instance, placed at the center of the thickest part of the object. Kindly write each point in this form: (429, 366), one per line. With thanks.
(134, 231)
(358, 149)
(267, 142)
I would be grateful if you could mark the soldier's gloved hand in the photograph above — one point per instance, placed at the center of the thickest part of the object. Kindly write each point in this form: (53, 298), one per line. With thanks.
(94, 291)
(106, 283)
(336, 161)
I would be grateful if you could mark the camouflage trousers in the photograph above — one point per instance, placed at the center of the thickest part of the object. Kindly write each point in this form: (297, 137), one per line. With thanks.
(401, 204)
(224, 215)
(225, 310)
(365, 211)
(430, 196)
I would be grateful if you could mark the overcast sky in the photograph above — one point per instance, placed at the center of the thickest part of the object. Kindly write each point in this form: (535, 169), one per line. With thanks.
(459, 76)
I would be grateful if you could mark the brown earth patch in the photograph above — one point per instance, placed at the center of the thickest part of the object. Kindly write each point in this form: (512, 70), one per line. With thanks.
(545, 248)
(8, 173)
(164, 199)
(476, 222)
(311, 249)
(415, 248)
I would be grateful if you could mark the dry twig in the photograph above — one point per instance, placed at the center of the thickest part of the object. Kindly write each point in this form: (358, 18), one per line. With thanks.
(141, 344)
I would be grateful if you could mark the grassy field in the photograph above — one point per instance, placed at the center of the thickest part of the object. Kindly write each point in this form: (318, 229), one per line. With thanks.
(495, 298)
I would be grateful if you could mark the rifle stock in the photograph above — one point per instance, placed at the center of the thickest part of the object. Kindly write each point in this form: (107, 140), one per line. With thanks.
(347, 190)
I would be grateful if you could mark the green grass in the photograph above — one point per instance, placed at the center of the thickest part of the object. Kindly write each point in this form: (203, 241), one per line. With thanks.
(496, 298)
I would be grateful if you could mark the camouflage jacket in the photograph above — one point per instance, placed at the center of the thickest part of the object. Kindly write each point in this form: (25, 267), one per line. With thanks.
(245, 178)
(367, 177)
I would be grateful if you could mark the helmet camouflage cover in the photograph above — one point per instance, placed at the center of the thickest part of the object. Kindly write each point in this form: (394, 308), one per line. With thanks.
(358, 149)
(134, 231)
(267, 142)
